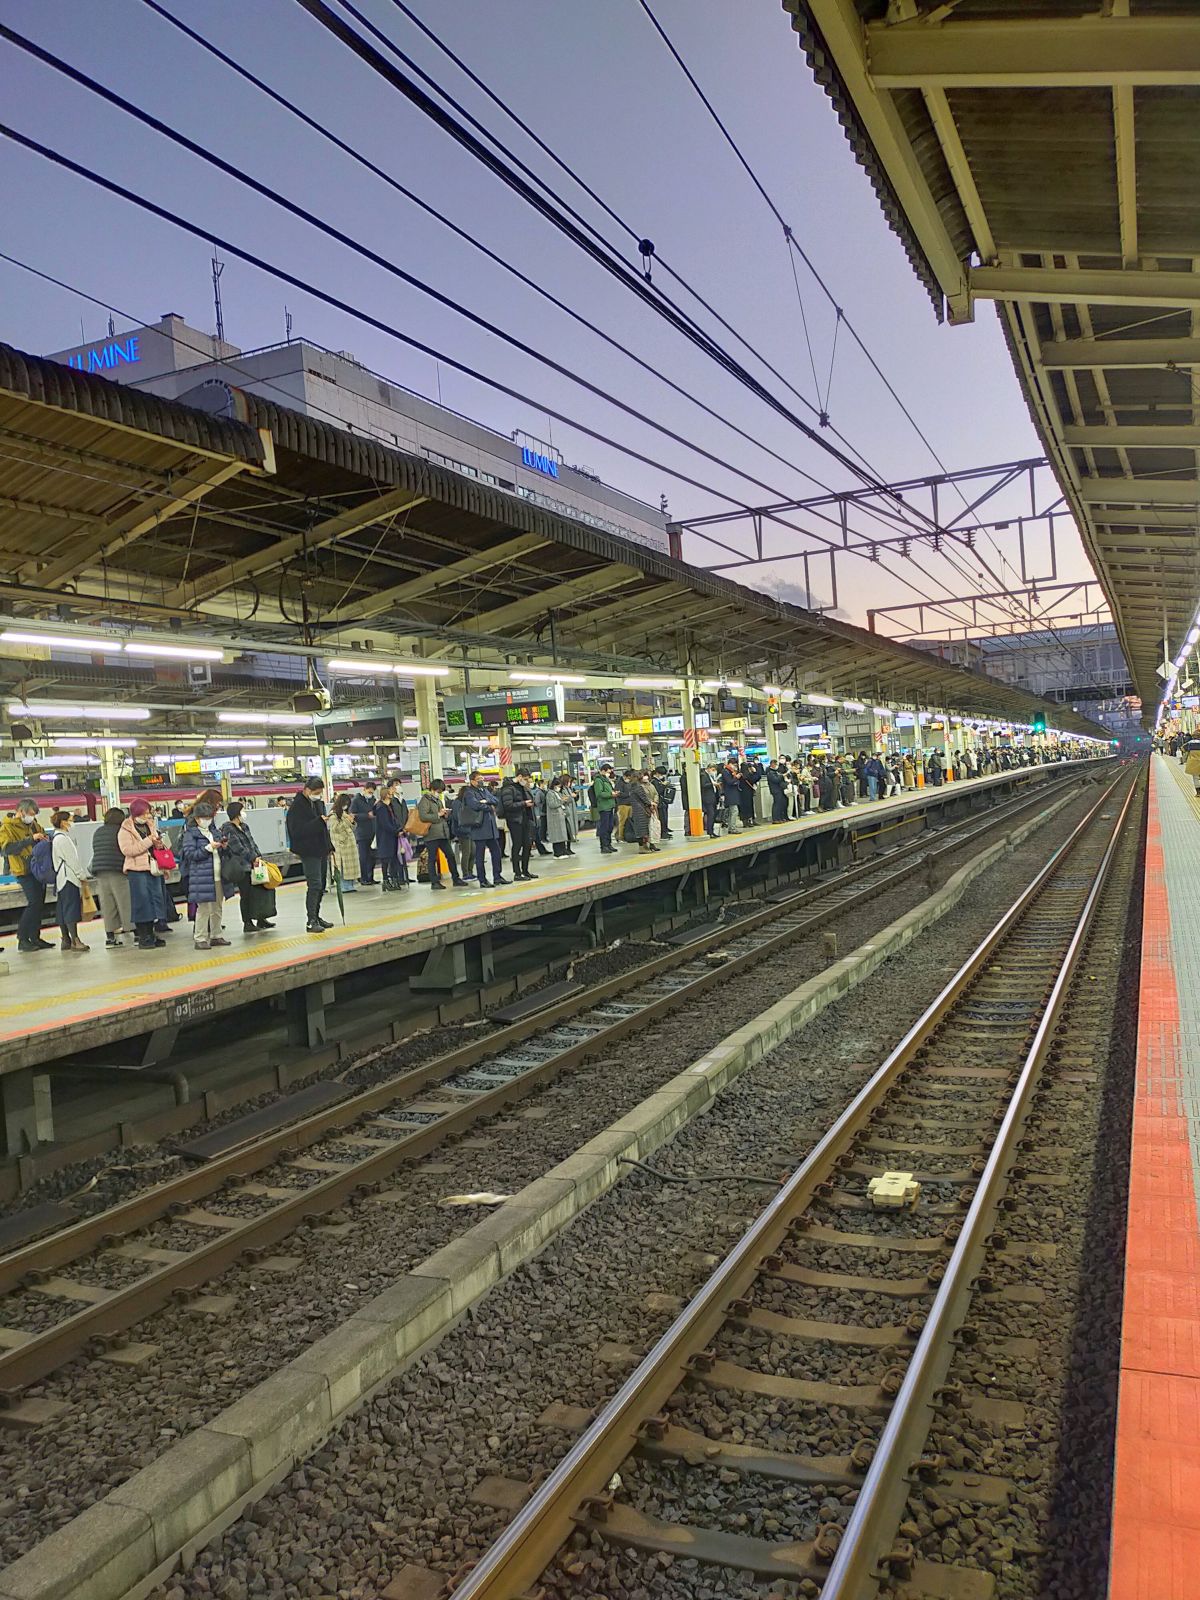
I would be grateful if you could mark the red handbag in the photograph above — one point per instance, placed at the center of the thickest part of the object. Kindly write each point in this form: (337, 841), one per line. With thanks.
(164, 858)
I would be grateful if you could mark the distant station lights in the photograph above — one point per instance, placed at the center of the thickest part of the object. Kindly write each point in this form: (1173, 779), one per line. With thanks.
(89, 645)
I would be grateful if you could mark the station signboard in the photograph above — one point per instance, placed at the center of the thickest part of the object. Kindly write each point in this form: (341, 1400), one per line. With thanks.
(357, 722)
(505, 708)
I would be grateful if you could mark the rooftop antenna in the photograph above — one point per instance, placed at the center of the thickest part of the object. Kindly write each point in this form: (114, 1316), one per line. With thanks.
(218, 267)
(112, 327)
(287, 325)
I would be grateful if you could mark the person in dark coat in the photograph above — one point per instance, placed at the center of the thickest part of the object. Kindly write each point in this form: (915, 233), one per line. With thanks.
(391, 813)
(731, 789)
(665, 791)
(256, 901)
(747, 783)
(308, 838)
(876, 775)
(517, 808)
(708, 800)
(362, 812)
(538, 795)
(433, 810)
(827, 786)
(777, 784)
(201, 849)
(643, 801)
(478, 808)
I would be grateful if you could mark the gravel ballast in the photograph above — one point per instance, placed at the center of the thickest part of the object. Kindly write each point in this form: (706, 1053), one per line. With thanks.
(394, 1483)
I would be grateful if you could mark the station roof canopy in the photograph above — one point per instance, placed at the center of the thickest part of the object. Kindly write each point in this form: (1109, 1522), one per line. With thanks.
(258, 522)
(1045, 154)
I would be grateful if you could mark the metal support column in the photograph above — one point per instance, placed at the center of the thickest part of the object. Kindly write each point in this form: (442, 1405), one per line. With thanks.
(690, 761)
(25, 1111)
(305, 1007)
(110, 780)
(429, 722)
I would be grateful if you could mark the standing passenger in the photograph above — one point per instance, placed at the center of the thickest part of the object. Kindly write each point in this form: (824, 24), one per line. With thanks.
(308, 838)
(362, 815)
(138, 837)
(201, 850)
(68, 881)
(108, 870)
(432, 808)
(346, 839)
(18, 835)
(604, 793)
(479, 808)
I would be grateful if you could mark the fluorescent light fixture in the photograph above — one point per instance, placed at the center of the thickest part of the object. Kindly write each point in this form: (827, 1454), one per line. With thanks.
(854, 705)
(278, 719)
(653, 683)
(115, 713)
(1192, 638)
(772, 689)
(173, 652)
(411, 722)
(820, 699)
(721, 683)
(570, 727)
(62, 741)
(72, 760)
(234, 744)
(59, 641)
(165, 757)
(881, 711)
(754, 730)
(368, 667)
(544, 677)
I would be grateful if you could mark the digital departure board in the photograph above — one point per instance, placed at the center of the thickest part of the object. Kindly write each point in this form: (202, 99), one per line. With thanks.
(505, 708)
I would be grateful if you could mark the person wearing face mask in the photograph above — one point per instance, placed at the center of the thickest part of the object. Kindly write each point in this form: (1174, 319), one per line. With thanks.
(18, 835)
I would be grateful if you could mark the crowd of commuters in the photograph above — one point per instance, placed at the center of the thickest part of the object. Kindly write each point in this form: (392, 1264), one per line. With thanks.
(373, 837)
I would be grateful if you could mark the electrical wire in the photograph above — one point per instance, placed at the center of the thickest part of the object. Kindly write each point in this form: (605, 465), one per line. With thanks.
(795, 245)
(307, 287)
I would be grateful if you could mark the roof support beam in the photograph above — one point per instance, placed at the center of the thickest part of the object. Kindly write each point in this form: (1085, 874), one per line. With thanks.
(1139, 492)
(1153, 436)
(1034, 53)
(557, 595)
(117, 532)
(1148, 525)
(414, 588)
(383, 506)
(1065, 353)
(844, 36)
(1100, 288)
(1123, 133)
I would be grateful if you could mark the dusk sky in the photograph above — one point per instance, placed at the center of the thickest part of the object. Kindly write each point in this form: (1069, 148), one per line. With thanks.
(597, 84)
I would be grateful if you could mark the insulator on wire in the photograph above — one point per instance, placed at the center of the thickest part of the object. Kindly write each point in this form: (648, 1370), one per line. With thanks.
(646, 246)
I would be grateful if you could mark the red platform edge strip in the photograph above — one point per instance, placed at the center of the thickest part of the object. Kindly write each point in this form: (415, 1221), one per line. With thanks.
(1156, 1496)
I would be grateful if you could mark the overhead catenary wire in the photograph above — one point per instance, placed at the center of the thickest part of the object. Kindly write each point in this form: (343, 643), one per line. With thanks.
(794, 244)
(548, 207)
(522, 277)
(366, 317)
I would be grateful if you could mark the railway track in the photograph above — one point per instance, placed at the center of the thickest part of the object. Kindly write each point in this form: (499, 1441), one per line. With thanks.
(313, 1165)
(831, 1319)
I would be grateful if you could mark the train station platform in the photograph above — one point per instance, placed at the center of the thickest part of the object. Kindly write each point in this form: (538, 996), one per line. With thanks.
(1156, 1502)
(127, 1007)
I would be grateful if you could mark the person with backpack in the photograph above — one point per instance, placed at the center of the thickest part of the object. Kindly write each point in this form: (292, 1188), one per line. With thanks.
(68, 879)
(603, 796)
(19, 834)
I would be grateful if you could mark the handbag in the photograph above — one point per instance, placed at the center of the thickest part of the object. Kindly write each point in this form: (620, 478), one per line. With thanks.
(260, 872)
(86, 901)
(164, 858)
(416, 827)
(274, 876)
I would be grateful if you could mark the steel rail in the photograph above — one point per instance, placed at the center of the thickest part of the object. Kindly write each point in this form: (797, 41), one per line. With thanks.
(529, 1543)
(854, 1573)
(89, 1233)
(112, 1316)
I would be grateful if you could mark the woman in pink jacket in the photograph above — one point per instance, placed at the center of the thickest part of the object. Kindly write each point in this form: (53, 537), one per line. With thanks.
(138, 838)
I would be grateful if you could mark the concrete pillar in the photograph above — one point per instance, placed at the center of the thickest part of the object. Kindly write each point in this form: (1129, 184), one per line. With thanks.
(429, 722)
(918, 748)
(110, 782)
(25, 1113)
(636, 759)
(772, 735)
(690, 760)
(948, 747)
